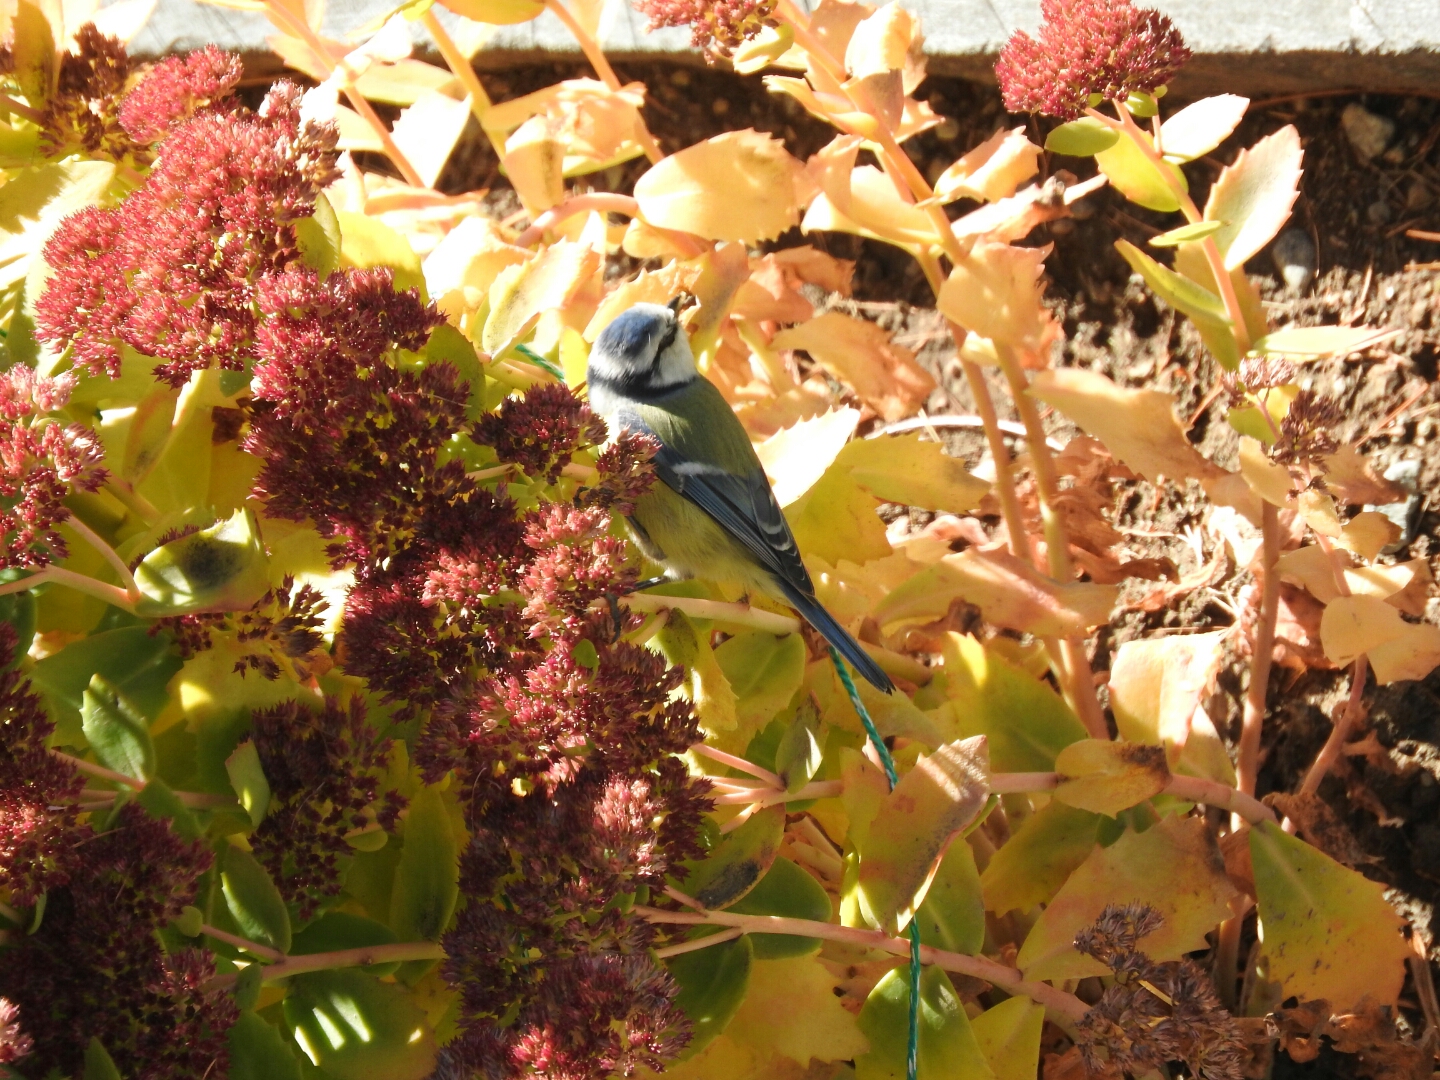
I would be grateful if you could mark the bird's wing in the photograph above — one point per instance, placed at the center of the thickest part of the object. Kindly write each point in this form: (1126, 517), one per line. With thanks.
(744, 506)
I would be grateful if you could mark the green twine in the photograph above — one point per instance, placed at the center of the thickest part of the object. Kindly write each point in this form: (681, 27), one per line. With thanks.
(912, 1045)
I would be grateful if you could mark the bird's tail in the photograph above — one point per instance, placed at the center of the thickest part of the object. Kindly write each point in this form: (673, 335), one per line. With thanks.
(811, 611)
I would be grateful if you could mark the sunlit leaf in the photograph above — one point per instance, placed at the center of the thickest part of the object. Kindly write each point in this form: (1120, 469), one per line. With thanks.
(522, 293)
(1327, 932)
(1035, 862)
(1084, 137)
(1187, 234)
(426, 132)
(742, 185)
(1316, 342)
(427, 879)
(502, 12)
(1353, 625)
(1011, 592)
(764, 671)
(952, 916)
(1105, 776)
(856, 351)
(367, 242)
(534, 161)
(222, 568)
(254, 901)
(1009, 1037)
(1196, 301)
(1138, 426)
(1268, 479)
(1156, 684)
(258, 1052)
(797, 456)
(712, 985)
(993, 170)
(788, 891)
(1025, 721)
(1174, 866)
(355, 1027)
(134, 661)
(802, 748)
(338, 930)
(916, 822)
(947, 1045)
(836, 519)
(791, 1010)
(34, 201)
(908, 470)
(1254, 195)
(995, 292)
(687, 646)
(1200, 127)
(1135, 175)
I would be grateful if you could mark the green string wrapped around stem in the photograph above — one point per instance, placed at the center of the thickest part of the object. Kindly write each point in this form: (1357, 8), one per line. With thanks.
(912, 1045)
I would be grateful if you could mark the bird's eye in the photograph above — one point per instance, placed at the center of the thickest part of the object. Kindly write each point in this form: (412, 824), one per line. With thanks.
(667, 338)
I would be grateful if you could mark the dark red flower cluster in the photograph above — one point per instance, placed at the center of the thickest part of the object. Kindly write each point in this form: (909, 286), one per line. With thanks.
(41, 462)
(94, 968)
(35, 853)
(83, 114)
(717, 27)
(172, 271)
(324, 770)
(536, 431)
(284, 624)
(1108, 48)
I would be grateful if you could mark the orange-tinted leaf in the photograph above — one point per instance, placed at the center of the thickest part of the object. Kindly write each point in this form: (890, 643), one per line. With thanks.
(995, 291)
(1139, 427)
(1353, 625)
(798, 456)
(1254, 195)
(427, 131)
(993, 170)
(884, 375)
(535, 163)
(521, 294)
(1413, 654)
(1156, 684)
(742, 185)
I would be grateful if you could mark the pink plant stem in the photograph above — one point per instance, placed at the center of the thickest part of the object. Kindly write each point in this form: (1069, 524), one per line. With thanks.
(462, 69)
(1064, 1008)
(102, 590)
(35, 116)
(99, 771)
(264, 952)
(1330, 752)
(600, 201)
(738, 763)
(108, 553)
(1253, 721)
(343, 958)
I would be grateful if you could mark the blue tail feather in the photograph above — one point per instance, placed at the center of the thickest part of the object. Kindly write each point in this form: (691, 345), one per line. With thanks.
(811, 611)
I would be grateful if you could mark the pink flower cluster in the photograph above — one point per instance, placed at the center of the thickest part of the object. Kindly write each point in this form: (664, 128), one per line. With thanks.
(1108, 48)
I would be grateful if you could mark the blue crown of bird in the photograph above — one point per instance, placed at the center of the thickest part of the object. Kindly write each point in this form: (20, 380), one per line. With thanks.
(713, 515)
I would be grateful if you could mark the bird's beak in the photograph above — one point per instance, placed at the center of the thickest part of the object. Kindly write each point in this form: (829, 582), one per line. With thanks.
(675, 304)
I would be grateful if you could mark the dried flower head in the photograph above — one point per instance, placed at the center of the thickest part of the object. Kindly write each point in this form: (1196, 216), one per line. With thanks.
(1307, 433)
(1154, 1013)
(717, 27)
(41, 462)
(1108, 48)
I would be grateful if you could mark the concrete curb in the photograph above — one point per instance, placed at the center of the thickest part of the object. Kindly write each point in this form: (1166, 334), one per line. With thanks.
(1269, 47)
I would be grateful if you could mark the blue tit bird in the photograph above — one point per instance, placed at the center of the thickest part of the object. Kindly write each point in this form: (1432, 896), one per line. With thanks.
(713, 515)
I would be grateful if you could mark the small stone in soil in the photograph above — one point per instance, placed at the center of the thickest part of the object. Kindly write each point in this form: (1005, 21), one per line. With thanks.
(1368, 133)
(1405, 474)
(1294, 256)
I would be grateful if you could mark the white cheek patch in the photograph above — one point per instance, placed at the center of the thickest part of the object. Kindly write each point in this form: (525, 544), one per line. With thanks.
(675, 366)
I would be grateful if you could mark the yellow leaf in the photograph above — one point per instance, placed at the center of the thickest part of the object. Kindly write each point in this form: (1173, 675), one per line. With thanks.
(1139, 427)
(500, 12)
(836, 519)
(522, 293)
(796, 458)
(463, 266)
(1011, 592)
(907, 470)
(883, 42)
(1368, 533)
(1156, 684)
(597, 126)
(856, 351)
(1318, 510)
(862, 200)
(535, 163)
(1353, 625)
(1174, 866)
(1271, 481)
(995, 292)
(1136, 176)
(791, 1010)
(915, 824)
(993, 170)
(1040, 855)
(427, 131)
(893, 714)
(1105, 776)
(1253, 196)
(764, 671)
(742, 185)
(1009, 1037)
(1326, 931)
(1412, 654)
(366, 242)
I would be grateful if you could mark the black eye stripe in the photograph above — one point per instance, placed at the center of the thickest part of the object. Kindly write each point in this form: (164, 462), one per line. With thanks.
(667, 339)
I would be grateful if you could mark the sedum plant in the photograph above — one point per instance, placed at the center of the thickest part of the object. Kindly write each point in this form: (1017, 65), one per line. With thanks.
(335, 738)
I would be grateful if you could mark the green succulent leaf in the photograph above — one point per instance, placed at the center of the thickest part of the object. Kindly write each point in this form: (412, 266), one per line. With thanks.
(1085, 137)
(258, 1051)
(1009, 1037)
(339, 930)
(790, 892)
(99, 1065)
(222, 568)
(254, 902)
(952, 916)
(712, 985)
(355, 1027)
(248, 779)
(117, 731)
(739, 862)
(130, 659)
(947, 1047)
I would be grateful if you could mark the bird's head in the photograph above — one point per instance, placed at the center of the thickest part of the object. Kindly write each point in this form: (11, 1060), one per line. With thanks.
(644, 351)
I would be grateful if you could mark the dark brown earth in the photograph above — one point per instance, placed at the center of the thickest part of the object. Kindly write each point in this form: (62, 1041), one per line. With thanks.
(1356, 214)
